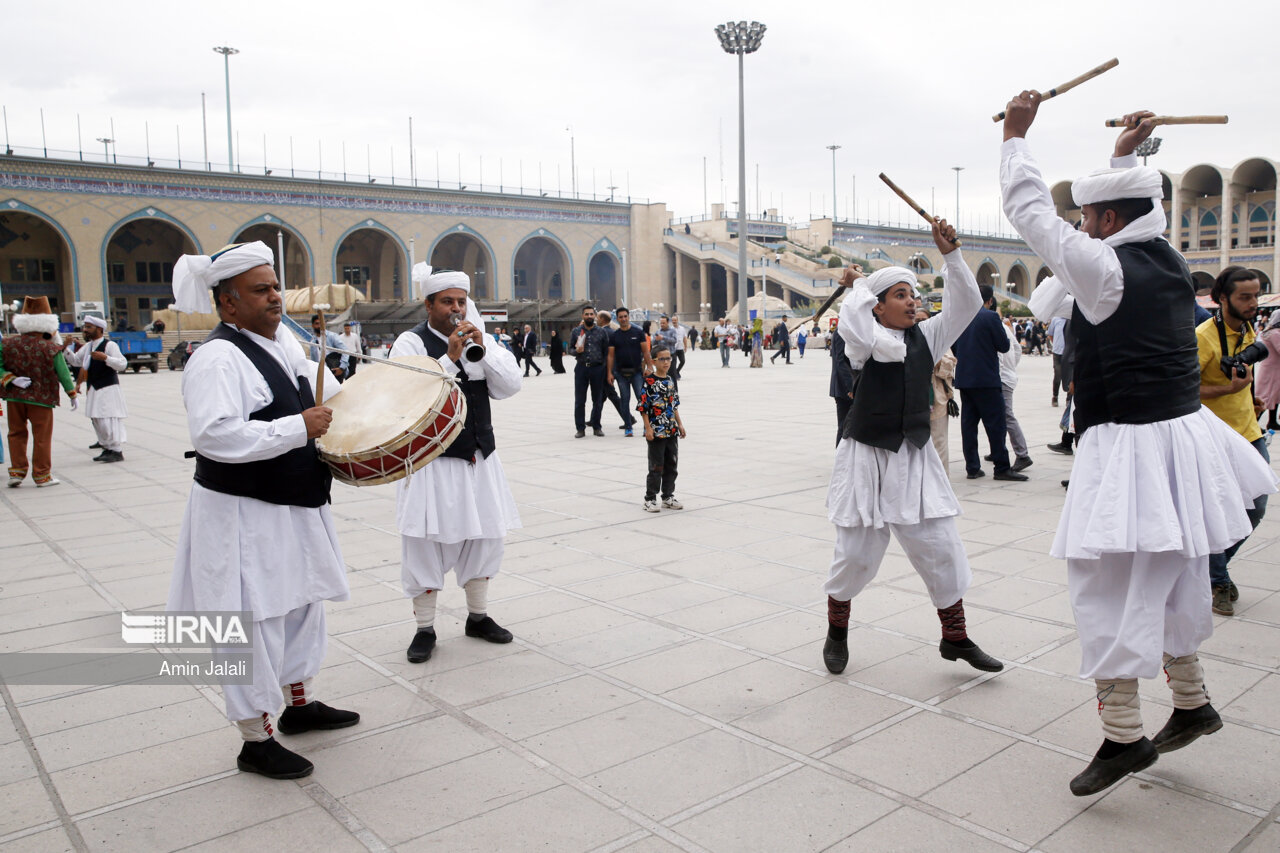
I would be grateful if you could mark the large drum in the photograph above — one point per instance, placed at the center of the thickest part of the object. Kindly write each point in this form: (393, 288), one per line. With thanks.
(389, 422)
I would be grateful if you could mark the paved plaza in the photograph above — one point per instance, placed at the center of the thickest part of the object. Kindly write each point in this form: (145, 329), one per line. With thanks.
(665, 690)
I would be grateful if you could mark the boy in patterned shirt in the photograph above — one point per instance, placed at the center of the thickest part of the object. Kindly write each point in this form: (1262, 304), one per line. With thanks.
(663, 429)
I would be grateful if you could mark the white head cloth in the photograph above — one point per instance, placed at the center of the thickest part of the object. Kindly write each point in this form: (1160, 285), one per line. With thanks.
(195, 275)
(95, 320)
(1116, 184)
(881, 280)
(426, 282)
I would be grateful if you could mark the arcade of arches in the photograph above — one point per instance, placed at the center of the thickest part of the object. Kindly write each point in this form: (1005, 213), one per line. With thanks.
(140, 258)
(541, 270)
(464, 253)
(297, 263)
(370, 260)
(34, 261)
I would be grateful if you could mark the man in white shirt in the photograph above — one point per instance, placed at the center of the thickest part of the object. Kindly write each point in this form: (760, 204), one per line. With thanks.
(99, 361)
(350, 340)
(1057, 343)
(724, 338)
(258, 535)
(682, 337)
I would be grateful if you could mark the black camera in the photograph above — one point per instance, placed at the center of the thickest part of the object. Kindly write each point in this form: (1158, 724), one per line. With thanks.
(1235, 366)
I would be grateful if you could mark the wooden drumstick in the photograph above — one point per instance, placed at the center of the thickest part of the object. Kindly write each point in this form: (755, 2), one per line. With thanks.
(912, 204)
(1070, 84)
(324, 367)
(1159, 120)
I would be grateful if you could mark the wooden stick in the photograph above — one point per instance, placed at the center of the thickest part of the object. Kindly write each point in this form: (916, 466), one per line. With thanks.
(912, 203)
(324, 339)
(1159, 120)
(1070, 84)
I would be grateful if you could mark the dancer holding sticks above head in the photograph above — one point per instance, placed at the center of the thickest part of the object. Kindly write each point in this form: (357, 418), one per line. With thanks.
(887, 475)
(1158, 482)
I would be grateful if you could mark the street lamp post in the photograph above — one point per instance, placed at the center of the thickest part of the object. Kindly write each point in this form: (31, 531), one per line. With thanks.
(741, 38)
(106, 141)
(957, 170)
(833, 149)
(1148, 147)
(227, 53)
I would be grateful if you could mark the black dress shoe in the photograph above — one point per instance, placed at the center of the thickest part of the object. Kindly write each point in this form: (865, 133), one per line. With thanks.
(580, 433)
(597, 431)
(1010, 474)
(112, 456)
(1020, 463)
(314, 716)
(488, 630)
(423, 643)
(987, 457)
(1064, 449)
(1102, 773)
(973, 475)
(97, 445)
(976, 657)
(268, 758)
(102, 457)
(1066, 484)
(1184, 726)
(835, 653)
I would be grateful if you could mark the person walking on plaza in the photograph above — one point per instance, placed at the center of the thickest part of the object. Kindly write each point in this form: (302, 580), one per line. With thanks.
(555, 351)
(100, 360)
(258, 534)
(32, 368)
(782, 337)
(610, 390)
(1057, 341)
(887, 476)
(724, 339)
(335, 354)
(627, 361)
(1008, 382)
(667, 336)
(677, 353)
(350, 340)
(801, 338)
(529, 348)
(1227, 341)
(590, 345)
(981, 398)
(1158, 482)
(454, 514)
(660, 413)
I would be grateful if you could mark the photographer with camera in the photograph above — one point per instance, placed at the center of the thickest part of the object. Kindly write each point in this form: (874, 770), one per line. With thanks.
(1228, 351)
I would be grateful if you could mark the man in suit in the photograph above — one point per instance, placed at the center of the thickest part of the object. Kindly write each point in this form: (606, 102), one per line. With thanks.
(977, 379)
(843, 381)
(529, 346)
(782, 337)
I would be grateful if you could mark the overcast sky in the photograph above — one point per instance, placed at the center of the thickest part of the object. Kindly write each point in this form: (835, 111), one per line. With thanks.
(907, 88)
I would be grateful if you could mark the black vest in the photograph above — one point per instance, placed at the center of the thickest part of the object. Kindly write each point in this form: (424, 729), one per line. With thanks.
(100, 375)
(1141, 364)
(296, 478)
(477, 431)
(892, 399)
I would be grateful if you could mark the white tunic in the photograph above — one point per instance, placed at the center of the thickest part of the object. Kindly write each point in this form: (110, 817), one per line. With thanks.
(1178, 485)
(870, 486)
(453, 500)
(106, 402)
(237, 553)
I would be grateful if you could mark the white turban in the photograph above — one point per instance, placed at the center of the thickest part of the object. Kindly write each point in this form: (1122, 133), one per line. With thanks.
(95, 320)
(426, 282)
(195, 275)
(1116, 184)
(881, 280)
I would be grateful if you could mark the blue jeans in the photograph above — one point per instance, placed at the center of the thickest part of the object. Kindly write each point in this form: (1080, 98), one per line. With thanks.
(1218, 575)
(724, 353)
(626, 386)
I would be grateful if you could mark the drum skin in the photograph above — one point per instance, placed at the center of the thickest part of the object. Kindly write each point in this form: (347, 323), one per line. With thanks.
(388, 422)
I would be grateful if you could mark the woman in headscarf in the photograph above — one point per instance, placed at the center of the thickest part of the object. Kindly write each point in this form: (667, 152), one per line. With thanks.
(555, 349)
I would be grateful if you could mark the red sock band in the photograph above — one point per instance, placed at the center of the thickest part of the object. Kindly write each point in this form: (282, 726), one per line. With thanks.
(952, 619)
(838, 612)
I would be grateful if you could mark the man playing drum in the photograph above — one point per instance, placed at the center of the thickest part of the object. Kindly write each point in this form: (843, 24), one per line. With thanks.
(257, 534)
(455, 512)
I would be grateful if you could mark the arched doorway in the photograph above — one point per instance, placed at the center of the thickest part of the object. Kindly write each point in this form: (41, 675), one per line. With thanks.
(297, 256)
(35, 260)
(1263, 279)
(987, 274)
(139, 256)
(1017, 281)
(1042, 274)
(1203, 182)
(541, 270)
(464, 252)
(1203, 281)
(370, 259)
(602, 280)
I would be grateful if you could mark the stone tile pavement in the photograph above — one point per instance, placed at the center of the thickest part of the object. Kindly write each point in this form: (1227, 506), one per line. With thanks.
(665, 690)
